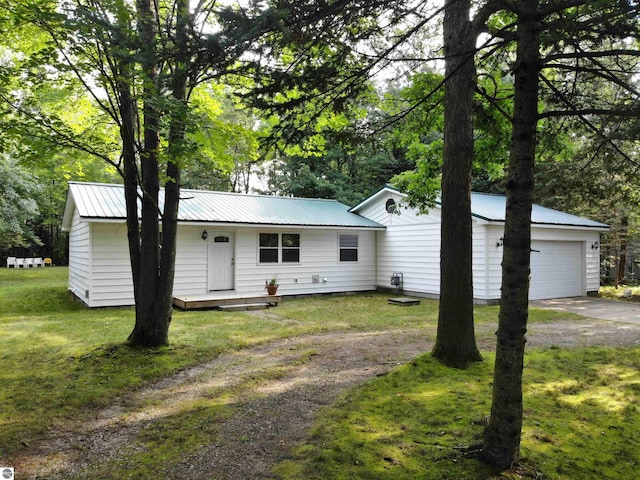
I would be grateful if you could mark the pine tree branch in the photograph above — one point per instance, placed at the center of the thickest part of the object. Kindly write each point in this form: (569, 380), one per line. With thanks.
(572, 110)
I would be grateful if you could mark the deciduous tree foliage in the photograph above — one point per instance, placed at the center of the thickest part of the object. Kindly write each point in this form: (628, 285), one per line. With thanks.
(30, 92)
(18, 209)
(139, 61)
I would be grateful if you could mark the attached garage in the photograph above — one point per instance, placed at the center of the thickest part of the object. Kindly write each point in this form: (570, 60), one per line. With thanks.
(557, 269)
(565, 261)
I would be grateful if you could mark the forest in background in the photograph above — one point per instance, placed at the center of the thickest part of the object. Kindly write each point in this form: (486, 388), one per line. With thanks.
(391, 130)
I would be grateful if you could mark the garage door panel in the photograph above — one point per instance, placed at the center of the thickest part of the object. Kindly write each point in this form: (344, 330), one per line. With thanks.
(556, 270)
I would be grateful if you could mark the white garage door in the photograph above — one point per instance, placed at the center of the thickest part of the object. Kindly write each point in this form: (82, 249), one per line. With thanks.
(556, 270)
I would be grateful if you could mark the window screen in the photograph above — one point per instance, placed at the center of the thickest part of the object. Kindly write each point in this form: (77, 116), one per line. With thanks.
(348, 248)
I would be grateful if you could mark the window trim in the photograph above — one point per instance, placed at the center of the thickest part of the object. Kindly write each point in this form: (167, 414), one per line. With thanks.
(391, 206)
(280, 248)
(289, 248)
(341, 248)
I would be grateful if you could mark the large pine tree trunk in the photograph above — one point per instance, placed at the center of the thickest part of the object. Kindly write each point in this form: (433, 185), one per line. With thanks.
(455, 342)
(502, 436)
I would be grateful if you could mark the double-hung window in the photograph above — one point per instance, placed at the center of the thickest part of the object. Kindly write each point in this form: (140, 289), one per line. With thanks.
(290, 248)
(348, 248)
(279, 248)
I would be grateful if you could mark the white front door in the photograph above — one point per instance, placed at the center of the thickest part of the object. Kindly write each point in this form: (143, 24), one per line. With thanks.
(221, 261)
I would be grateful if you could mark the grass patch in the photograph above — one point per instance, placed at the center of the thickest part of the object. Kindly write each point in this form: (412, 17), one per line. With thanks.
(61, 361)
(161, 444)
(618, 293)
(581, 419)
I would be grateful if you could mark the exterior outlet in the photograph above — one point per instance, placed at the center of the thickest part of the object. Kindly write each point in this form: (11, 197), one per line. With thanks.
(315, 278)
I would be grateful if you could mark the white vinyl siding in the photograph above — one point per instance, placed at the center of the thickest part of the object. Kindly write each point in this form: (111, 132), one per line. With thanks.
(80, 258)
(479, 259)
(318, 258)
(191, 260)
(377, 211)
(411, 245)
(112, 283)
(494, 234)
(592, 263)
(414, 251)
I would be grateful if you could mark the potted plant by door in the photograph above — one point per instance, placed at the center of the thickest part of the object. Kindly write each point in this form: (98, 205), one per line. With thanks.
(272, 286)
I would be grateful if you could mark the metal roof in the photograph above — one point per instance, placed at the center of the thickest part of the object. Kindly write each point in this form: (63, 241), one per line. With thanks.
(492, 208)
(106, 201)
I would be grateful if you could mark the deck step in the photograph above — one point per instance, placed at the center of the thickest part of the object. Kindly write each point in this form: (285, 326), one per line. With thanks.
(198, 302)
(241, 307)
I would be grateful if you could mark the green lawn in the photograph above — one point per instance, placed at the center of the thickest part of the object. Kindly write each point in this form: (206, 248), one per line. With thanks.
(621, 293)
(59, 361)
(581, 422)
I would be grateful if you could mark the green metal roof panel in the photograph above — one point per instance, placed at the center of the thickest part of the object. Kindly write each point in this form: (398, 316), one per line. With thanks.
(493, 207)
(106, 201)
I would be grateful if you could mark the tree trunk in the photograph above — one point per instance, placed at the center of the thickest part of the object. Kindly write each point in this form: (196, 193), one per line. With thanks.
(128, 108)
(622, 263)
(455, 342)
(151, 326)
(163, 305)
(502, 437)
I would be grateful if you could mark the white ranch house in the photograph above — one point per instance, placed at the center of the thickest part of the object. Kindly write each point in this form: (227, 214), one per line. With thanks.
(230, 244)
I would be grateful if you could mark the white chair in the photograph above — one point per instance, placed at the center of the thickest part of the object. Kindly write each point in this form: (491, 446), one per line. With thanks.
(20, 263)
(38, 262)
(28, 262)
(11, 262)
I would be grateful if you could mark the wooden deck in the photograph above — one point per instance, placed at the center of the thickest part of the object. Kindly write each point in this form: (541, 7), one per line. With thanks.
(223, 299)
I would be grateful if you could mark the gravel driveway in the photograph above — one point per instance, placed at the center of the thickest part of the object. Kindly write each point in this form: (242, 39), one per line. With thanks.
(272, 416)
(617, 311)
